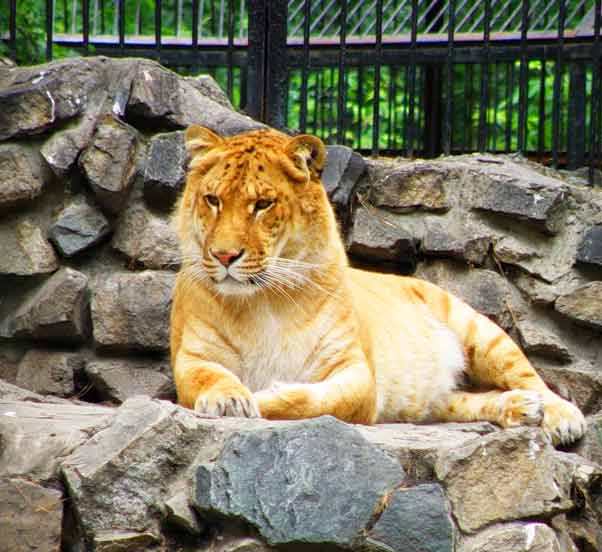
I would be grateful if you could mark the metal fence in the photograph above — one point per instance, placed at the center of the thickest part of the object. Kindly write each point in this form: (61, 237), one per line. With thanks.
(398, 77)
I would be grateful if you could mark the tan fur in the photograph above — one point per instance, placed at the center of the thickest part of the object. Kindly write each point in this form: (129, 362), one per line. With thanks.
(288, 330)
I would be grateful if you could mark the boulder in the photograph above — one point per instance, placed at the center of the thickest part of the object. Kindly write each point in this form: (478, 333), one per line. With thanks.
(31, 516)
(513, 537)
(78, 227)
(57, 310)
(63, 147)
(119, 379)
(583, 306)
(49, 372)
(165, 171)
(109, 162)
(20, 174)
(537, 340)
(590, 249)
(146, 238)
(207, 86)
(130, 311)
(23, 249)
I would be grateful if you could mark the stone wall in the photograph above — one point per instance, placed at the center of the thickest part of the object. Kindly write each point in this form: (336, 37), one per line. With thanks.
(91, 162)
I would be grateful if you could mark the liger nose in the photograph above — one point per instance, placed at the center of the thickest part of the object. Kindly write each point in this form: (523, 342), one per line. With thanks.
(228, 257)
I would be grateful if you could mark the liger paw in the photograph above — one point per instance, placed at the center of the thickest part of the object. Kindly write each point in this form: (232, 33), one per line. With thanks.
(520, 407)
(562, 421)
(237, 402)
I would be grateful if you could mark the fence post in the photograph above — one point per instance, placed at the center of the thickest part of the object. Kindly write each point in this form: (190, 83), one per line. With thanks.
(576, 130)
(267, 71)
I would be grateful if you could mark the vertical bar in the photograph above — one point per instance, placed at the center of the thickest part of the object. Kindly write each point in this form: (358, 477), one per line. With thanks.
(230, 53)
(558, 83)
(49, 29)
(542, 112)
(467, 135)
(496, 103)
(576, 118)
(484, 92)
(342, 92)
(390, 95)
(360, 105)
(158, 25)
(433, 90)
(195, 35)
(317, 102)
(122, 26)
(412, 75)
(86, 25)
(377, 65)
(448, 129)
(12, 29)
(595, 139)
(523, 78)
(509, 104)
(276, 63)
(305, 66)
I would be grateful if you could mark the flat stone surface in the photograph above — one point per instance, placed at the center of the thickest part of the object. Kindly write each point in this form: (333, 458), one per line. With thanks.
(276, 480)
(120, 379)
(78, 227)
(30, 516)
(584, 305)
(415, 518)
(460, 239)
(146, 238)
(536, 339)
(109, 162)
(590, 249)
(118, 541)
(49, 372)
(208, 86)
(24, 251)
(36, 436)
(131, 310)
(20, 175)
(56, 311)
(482, 490)
(513, 537)
(165, 171)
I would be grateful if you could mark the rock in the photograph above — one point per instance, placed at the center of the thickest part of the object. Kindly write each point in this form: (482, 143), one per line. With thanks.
(23, 249)
(590, 250)
(49, 372)
(118, 541)
(376, 239)
(537, 340)
(78, 227)
(414, 518)
(118, 380)
(484, 290)
(131, 311)
(464, 241)
(285, 503)
(340, 178)
(109, 162)
(207, 86)
(31, 516)
(513, 537)
(166, 169)
(584, 305)
(56, 311)
(122, 476)
(146, 238)
(590, 446)
(36, 436)
(179, 513)
(511, 251)
(482, 490)
(20, 174)
(8, 368)
(32, 107)
(411, 186)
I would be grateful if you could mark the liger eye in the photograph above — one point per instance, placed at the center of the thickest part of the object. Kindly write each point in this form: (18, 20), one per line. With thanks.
(212, 200)
(263, 204)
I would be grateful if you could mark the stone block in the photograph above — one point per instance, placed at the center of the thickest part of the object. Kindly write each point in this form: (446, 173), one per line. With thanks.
(20, 174)
(583, 305)
(590, 249)
(513, 537)
(23, 249)
(49, 372)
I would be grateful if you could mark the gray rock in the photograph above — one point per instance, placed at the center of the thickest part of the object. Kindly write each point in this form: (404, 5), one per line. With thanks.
(32, 107)
(131, 311)
(109, 162)
(120, 379)
(415, 518)
(511, 251)
(584, 305)
(537, 340)
(20, 174)
(590, 250)
(118, 541)
(36, 436)
(302, 497)
(23, 249)
(57, 310)
(62, 148)
(30, 516)
(411, 186)
(513, 537)
(376, 239)
(165, 172)
(590, 446)
(207, 86)
(49, 372)
(530, 489)
(340, 177)
(77, 227)
(180, 513)
(466, 240)
(146, 238)
(122, 476)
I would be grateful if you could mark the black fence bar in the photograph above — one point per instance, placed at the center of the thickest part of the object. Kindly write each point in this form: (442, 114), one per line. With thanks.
(230, 68)
(484, 90)
(86, 26)
(576, 118)
(342, 95)
(449, 111)
(158, 25)
(12, 28)
(595, 142)
(121, 26)
(412, 80)
(558, 84)
(305, 67)
(377, 74)
(541, 118)
(523, 77)
(49, 28)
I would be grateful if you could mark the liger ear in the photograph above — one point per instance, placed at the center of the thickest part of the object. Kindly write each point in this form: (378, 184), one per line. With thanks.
(199, 139)
(305, 155)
